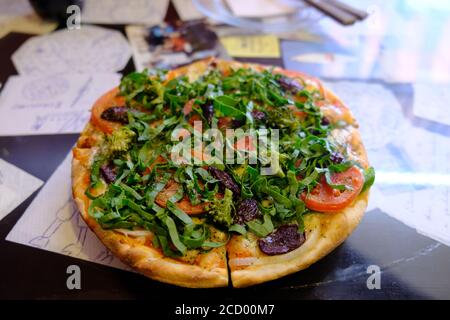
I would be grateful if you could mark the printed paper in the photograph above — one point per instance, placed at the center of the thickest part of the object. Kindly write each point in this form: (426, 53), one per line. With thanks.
(252, 46)
(124, 12)
(53, 223)
(412, 169)
(431, 102)
(187, 10)
(50, 104)
(259, 8)
(16, 185)
(87, 50)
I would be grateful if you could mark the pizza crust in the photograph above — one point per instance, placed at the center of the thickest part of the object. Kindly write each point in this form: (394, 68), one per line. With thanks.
(248, 265)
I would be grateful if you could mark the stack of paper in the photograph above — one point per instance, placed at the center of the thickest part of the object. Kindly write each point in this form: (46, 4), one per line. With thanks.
(15, 186)
(260, 8)
(88, 49)
(51, 104)
(187, 10)
(124, 12)
(61, 76)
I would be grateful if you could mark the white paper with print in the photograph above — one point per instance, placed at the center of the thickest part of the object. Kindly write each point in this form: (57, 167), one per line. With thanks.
(370, 110)
(187, 10)
(52, 222)
(16, 185)
(431, 102)
(412, 164)
(50, 104)
(260, 8)
(418, 193)
(15, 8)
(87, 50)
(124, 12)
(426, 210)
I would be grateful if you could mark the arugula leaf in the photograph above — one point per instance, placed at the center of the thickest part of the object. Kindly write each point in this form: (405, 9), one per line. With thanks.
(177, 196)
(237, 228)
(194, 235)
(261, 186)
(180, 214)
(132, 205)
(369, 178)
(261, 230)
(173, 233)
(153, 191)
(227, 106)
(293, 183)
(340, 187)
(212, 244)
(168, 252)
(130, 191)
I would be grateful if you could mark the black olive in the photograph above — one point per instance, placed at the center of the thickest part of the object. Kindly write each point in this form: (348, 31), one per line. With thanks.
(116, 114)
(325, 121)
(248, 210)
(237, 123)
(336, 157)
(258, 115)
(290, 85)
(285, 239)
(208, 111)
(108, 172)
(225, 180)
(315, 132)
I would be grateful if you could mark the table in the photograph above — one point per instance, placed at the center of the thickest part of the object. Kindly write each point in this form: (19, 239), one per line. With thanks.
(412, 266)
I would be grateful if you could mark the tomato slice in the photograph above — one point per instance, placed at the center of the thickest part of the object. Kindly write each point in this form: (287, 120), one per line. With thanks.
(245, 143)
(184, 204)
(297, 112)
(187, 109)
(323, 198)
(106, 101)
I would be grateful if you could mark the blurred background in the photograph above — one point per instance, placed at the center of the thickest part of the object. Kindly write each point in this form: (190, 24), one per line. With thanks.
(389, 61)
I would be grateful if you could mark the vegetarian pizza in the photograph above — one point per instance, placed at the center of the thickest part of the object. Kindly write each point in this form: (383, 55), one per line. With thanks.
(220, 172)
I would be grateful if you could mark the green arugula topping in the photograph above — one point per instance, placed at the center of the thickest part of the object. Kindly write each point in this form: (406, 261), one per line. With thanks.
(369, 178)
(140, 154)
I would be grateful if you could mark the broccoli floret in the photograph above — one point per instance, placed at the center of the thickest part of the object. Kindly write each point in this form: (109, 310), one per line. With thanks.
(120, 140)
(282, 118)
(221, 209)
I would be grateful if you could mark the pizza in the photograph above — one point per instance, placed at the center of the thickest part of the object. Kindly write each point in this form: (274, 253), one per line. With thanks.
(220, 173)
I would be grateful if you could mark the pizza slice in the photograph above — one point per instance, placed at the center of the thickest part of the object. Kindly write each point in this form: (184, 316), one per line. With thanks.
(120, 220)
(333, 212)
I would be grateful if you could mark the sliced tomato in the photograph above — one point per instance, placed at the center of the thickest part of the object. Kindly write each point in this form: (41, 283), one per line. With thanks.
(323, 198)
(245, 143)
(106, 101)
(184, 204)
(297, 112)
(224, 122)
(187, 109)
(193, 118)
(158, 160)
